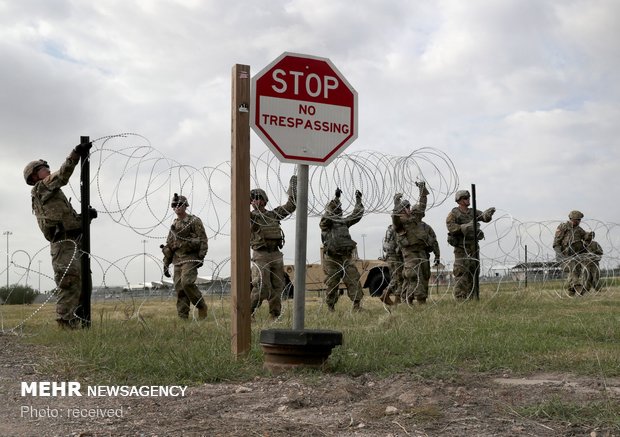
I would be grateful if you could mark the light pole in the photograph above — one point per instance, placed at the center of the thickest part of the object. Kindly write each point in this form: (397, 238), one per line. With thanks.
(364, 245)
(7, 233)
(144, 264)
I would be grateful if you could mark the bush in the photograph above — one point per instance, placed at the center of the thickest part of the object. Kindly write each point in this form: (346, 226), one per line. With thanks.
(17, 295)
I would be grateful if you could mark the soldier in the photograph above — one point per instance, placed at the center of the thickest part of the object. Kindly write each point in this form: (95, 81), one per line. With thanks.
(569, 245)
(591, 269)
(431, 245)
(412, 240)
(394, 259)
(338, 247)
(61, 225)
(186, 247)
(461, 235)
(266, 240)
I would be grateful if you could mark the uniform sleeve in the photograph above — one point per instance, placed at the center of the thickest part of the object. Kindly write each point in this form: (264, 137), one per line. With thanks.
(201, 236)
(287, 209)
(356, 215)
(61, 177)
(558, 237)
(454, 228)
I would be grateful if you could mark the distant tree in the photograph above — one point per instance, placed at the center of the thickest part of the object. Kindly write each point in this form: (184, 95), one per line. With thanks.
(18, 295)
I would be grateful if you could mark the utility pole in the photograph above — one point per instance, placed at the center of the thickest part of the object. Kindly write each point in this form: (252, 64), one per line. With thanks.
(7, 233)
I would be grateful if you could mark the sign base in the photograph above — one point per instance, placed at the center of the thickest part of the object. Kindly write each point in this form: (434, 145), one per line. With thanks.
(287, 349)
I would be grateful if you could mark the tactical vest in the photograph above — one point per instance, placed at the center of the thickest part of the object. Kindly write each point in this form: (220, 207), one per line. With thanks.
(571, 241)
(337, 240)
(268, 232)
(54, 213)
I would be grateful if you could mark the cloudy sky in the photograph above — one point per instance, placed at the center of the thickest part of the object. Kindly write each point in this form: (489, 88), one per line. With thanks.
(521, 95)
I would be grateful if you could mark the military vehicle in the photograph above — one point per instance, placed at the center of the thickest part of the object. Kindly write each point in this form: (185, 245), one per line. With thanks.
(374, 276)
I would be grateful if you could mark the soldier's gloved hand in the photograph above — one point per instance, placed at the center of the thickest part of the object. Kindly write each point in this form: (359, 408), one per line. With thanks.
(200, 264)
(338, 193)
(358, 195)
(167, 271)
(292, 186)
(422, 187)
(83, 148)
(436, 262)
(489, 212)
(467, 228)
(92, 213)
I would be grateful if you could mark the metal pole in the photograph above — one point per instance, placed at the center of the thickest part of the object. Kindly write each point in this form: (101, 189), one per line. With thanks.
(526, 266)
(39, 276)
(476, 290)
(301, 233)
(83, 310)
(144, 265)
(7, 233)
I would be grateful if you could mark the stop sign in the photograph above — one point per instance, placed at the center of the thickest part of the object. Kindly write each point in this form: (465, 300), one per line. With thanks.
(303, 109)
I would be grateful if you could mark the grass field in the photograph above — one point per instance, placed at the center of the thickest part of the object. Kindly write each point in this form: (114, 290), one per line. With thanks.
(142, 341)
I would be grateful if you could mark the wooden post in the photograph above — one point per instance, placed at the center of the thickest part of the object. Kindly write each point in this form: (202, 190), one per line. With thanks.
(240, 210)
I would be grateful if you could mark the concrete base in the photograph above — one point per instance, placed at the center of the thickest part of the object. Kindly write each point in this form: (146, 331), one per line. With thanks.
(286, 349)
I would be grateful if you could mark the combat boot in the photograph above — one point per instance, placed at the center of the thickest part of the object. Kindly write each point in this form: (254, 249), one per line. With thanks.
(357, 307)
(421, 300)
(331, 307)
(202, 312)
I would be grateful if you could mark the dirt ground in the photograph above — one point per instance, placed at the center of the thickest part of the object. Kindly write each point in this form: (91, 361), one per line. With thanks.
(296, 405)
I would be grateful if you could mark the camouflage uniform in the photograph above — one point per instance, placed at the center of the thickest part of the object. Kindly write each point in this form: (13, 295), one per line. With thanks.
(462, 237)
(61, 226)
(591, 269)
(394, 260)
(427, 234)
(569, 247)
(186, 247)
(266, 240)
(413, 242)
(338, 249)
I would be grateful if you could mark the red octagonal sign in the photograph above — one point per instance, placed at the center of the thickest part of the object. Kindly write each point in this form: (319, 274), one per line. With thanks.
(303, 109)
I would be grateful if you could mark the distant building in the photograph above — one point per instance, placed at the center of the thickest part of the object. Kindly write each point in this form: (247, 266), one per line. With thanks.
(538, 271)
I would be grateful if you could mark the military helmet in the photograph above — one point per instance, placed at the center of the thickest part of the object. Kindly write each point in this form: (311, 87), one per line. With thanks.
(258, 193)
(403, 205)
(334, 207)
(179, 200)
(31, 168)
(575, 215)
(461, 194)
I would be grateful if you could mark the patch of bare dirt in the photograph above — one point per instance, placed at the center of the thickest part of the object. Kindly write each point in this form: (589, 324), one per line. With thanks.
(293, 405)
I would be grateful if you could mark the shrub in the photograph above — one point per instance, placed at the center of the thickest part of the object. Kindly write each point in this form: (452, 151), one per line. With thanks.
(18, 294)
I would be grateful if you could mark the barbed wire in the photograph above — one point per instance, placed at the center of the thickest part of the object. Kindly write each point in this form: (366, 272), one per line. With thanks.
(133, 183)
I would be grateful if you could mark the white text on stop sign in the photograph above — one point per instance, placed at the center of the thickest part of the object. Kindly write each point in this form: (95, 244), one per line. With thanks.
(314, 84)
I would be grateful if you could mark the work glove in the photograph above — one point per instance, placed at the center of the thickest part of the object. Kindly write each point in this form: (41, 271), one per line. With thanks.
(358, 195)
(489, 213)
(338, 193)
(436, 262)
(167, 271)
(92, 213)
(83, 148)
(422, 187)
(292, 186)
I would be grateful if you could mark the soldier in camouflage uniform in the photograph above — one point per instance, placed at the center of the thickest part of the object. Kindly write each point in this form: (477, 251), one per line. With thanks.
(266, 240)
(569, 247)
(62, 227)
(394, 258)
(338, 247)
(591, 269)
(186, 247)
(412, 240)
(461, 235)
(431, 245)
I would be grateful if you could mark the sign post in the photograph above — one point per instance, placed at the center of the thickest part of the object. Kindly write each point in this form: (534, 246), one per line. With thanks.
(305, 111)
